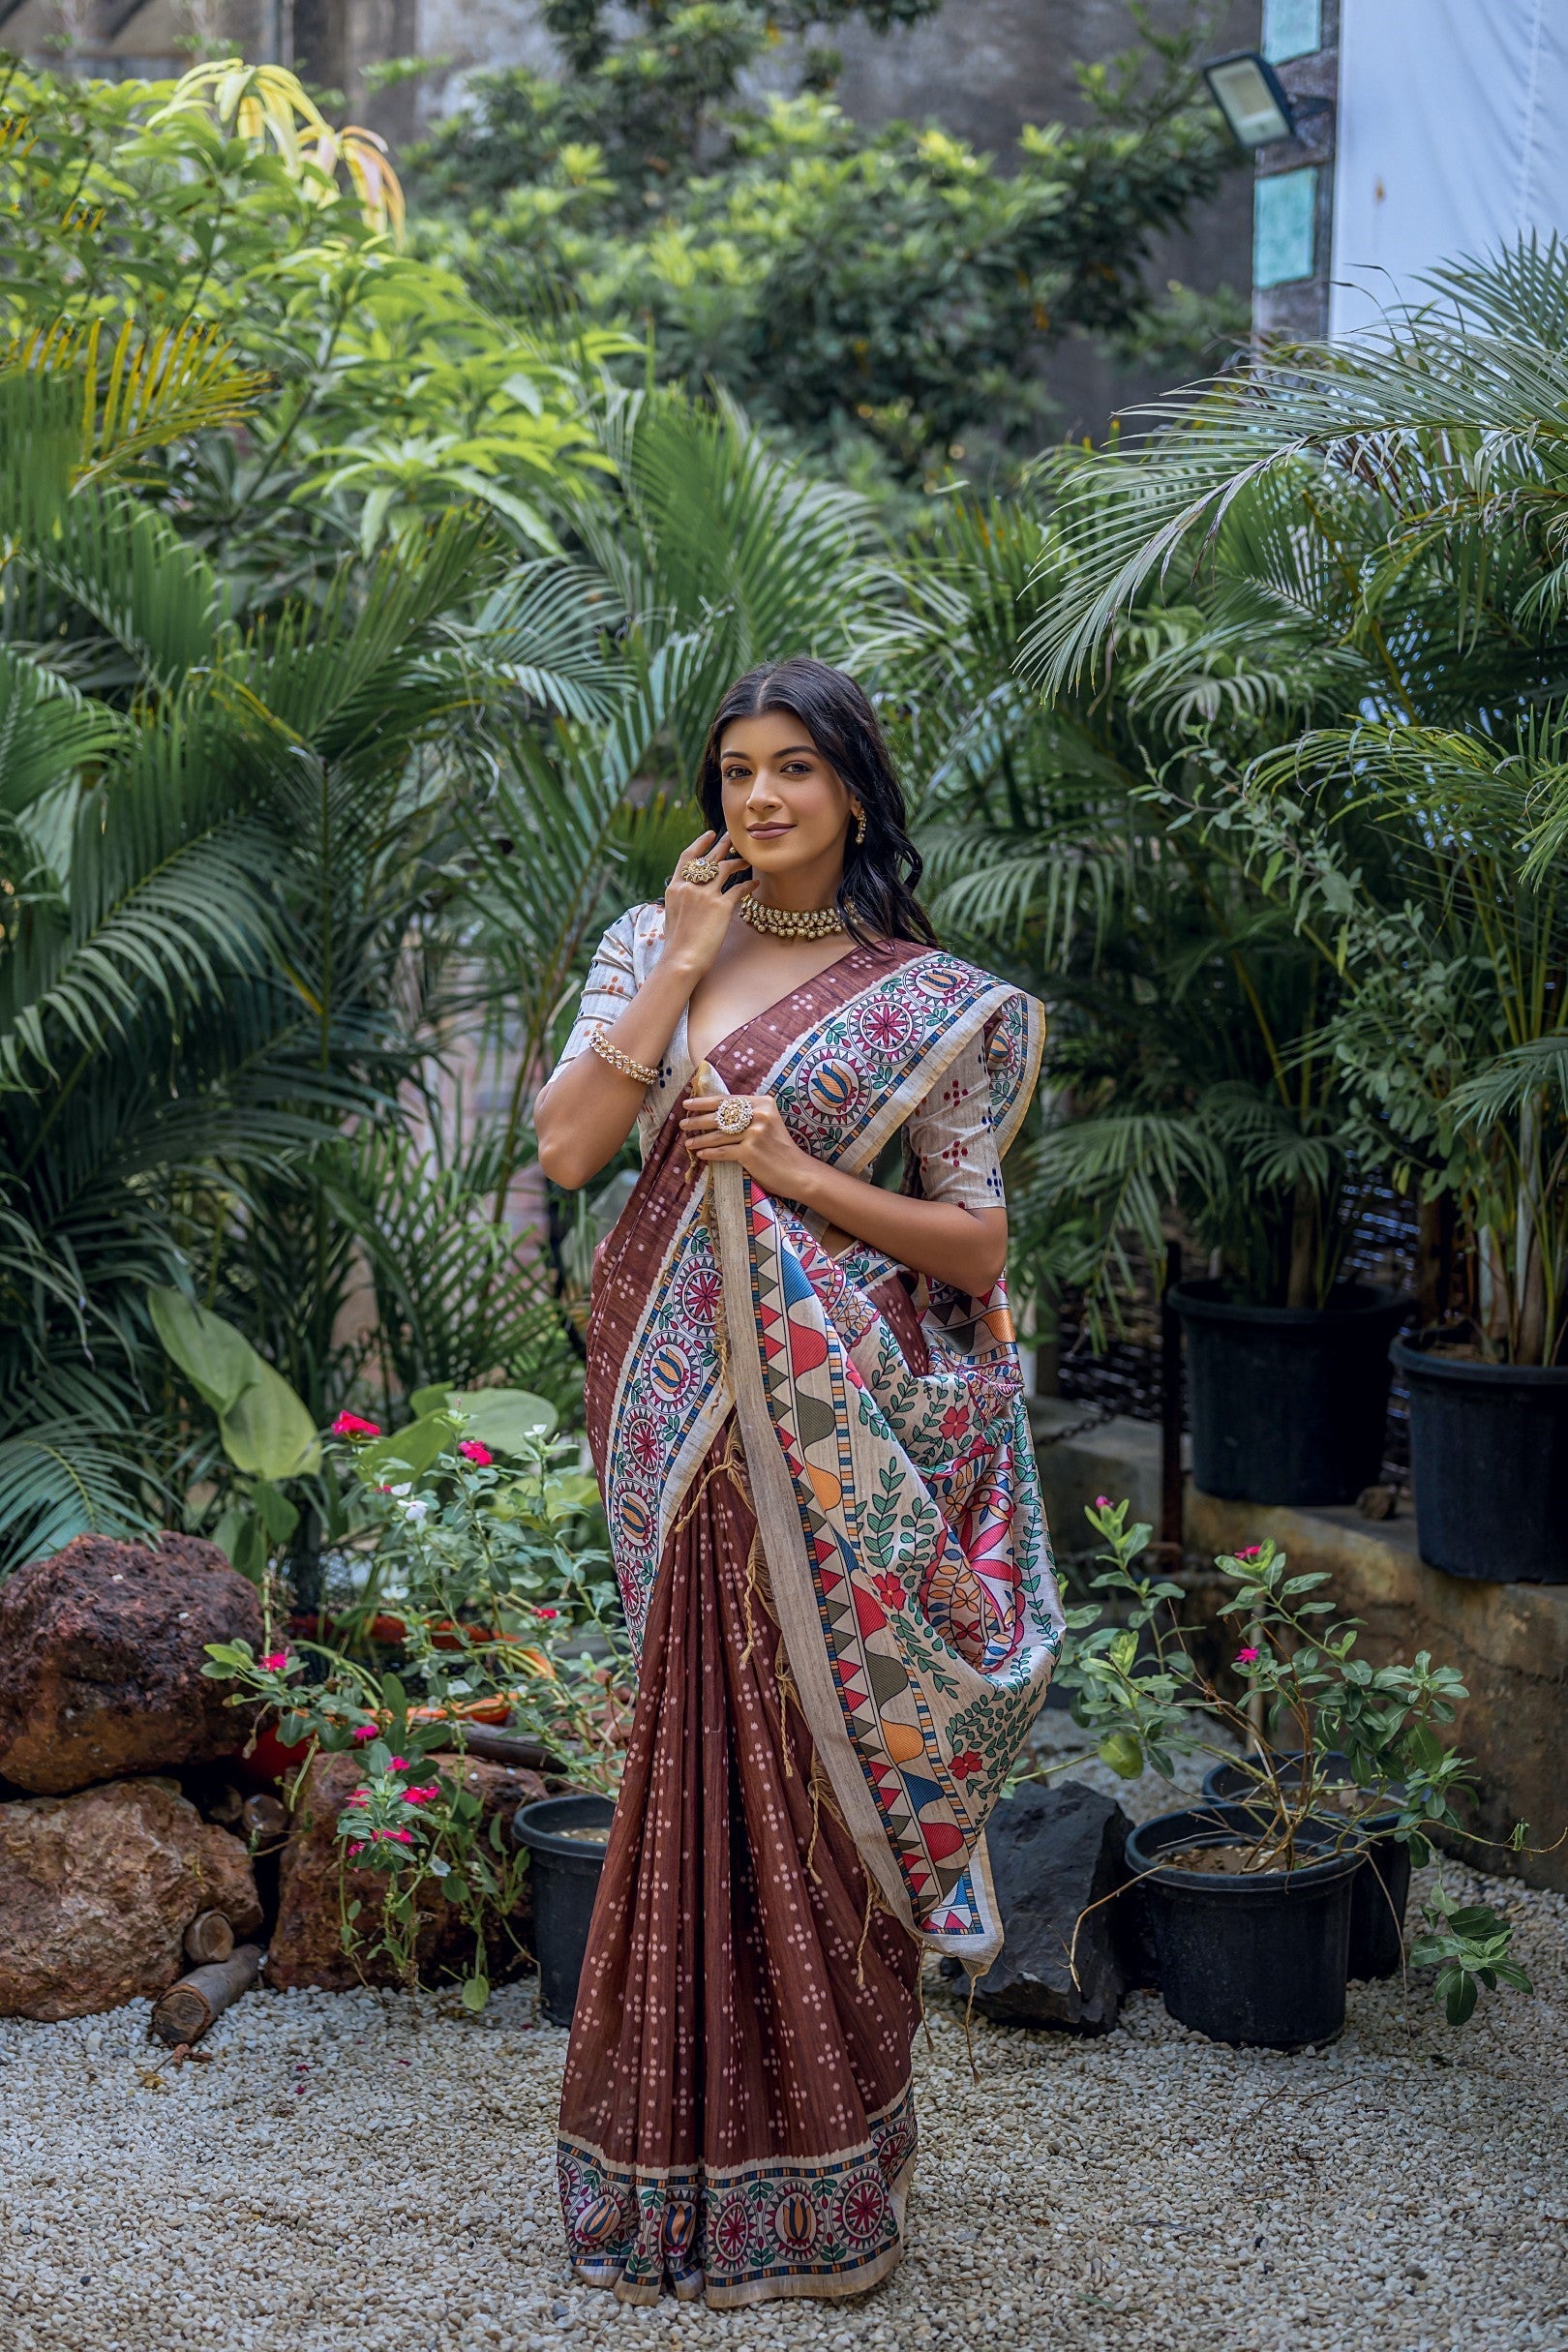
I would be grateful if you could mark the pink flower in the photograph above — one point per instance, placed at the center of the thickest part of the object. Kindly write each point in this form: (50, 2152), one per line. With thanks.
(399, 1764)
(357, 1796)
(1102, 1502)
(349, 1425)
(357, 1845)
(365, 1730)
(472, 1450)
(547, 1612)
(1252, 1551)
(422, 1796)
(1246, 1657)
(403, 1837)
(275, 1661)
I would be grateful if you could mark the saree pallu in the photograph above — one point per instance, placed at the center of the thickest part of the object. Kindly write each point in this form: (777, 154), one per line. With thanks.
(825, 1520)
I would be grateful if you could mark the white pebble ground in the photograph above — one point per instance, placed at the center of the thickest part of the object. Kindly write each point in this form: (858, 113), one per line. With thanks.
(366, 2173)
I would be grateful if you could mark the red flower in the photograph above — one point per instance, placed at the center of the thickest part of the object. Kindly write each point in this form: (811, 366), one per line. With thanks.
(892, 1591)
(1246, 1657)
(954, 1424)
(422, 1796)
(1251, 1552)
(365, 1730)
(349, 1425)
(547, 1612)
(357, 1796)
(969, 1761)
(472, 1450)
(275, 1661)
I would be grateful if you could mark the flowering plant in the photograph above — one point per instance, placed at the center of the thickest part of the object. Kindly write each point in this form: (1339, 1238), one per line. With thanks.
(458, 1555)
(1308, 1707)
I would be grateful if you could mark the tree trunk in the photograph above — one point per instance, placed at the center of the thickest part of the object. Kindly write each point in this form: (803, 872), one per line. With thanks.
(1434, 1260)
(209, 1937)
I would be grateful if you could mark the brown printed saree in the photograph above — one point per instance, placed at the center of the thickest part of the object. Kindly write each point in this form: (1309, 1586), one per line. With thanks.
(823, 1503)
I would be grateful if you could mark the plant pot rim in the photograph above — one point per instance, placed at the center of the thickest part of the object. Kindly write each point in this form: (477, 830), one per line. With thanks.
(1202, 1300)
(534, 1824)
(1414, 1355)
(1199, 1828)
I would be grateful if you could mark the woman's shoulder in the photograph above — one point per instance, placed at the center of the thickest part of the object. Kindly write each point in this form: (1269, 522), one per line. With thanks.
(634, 933)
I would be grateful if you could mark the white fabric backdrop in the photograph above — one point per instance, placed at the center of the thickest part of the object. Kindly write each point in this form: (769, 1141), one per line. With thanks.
(1451, 139)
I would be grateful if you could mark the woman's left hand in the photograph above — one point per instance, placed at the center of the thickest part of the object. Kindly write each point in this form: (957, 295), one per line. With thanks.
(765, 1149)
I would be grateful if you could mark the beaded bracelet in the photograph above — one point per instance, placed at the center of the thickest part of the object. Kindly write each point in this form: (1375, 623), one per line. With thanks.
(623, 1061)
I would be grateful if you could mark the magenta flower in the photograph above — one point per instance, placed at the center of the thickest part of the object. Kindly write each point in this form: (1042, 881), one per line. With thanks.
(403, 1837)
(547, 1612)
(422, 1796)
(350, 1425)
(365, 1730)
(275, 1661)
(357, 1796)
(400, 1764)
(1246, 1657)
(357, 1845)
(1252, 1551)
(1102, 1502)
(472, 1450)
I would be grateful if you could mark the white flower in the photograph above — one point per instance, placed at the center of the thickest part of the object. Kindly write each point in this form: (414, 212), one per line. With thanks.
(415, 1512)
(438, 1868)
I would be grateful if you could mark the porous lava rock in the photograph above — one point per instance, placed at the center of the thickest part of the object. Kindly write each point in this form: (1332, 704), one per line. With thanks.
(102, 1648)
(97, 1889)
(1056, 1852)
(306, 1947)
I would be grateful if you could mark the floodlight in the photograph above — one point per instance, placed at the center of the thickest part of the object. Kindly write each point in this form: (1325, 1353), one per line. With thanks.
(1252, 98)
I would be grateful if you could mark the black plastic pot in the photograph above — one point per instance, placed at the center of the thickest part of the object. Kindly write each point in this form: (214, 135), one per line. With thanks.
(1288, 1403)
(566, 1872)
(1488, 1460)
(1257, 1960)
(1381, 1887)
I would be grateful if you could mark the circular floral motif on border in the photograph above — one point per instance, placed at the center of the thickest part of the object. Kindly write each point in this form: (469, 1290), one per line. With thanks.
(833, 1086)
(863, 2209)
(642, 1442)
(669, 1371)
(1002, 1051)
(698, 1294)
(730, 2229)
(794, 2223)
(894, 2148)
(886, 1026)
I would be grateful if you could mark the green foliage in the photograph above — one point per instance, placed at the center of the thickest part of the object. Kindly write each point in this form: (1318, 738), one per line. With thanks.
(882, 299)
(1386, 516)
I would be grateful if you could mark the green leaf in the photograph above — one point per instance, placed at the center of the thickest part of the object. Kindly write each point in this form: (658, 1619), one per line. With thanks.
(269, 1431)
(505, 1419)
(1460, 1996)
(217, 1360)
(277, 1512)
(475, 1993)
(1123, 1753)
(407, 1453)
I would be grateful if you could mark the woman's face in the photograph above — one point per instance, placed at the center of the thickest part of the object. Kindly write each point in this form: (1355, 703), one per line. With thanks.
(784, 807)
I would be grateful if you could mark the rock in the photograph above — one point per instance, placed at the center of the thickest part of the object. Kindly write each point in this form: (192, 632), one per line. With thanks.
(307, 1946)
(97, 1891)
(1056, 1849)
(102, 1648)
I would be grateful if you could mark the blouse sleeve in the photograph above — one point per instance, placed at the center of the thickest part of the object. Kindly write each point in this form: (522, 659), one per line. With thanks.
(951, 1137)
(608, 990)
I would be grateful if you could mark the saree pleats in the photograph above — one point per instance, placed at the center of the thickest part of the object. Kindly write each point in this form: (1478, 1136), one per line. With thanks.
(736, 2120)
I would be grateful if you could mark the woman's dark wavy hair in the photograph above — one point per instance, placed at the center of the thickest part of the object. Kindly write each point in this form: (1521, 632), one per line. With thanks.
(876, 897)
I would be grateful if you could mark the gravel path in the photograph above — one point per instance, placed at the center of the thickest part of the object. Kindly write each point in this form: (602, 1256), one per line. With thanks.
(364, 2173)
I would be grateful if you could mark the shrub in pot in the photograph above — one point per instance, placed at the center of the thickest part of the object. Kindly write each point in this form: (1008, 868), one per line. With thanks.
(1249, 1901)
(1382, 1887)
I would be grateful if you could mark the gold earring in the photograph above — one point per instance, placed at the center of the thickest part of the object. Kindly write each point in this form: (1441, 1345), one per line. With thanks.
(859, 825)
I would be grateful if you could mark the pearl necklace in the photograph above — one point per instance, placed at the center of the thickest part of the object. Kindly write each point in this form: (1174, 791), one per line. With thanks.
(783, 923)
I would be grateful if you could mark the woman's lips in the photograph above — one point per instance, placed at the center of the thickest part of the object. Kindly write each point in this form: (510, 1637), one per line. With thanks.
(768, 833)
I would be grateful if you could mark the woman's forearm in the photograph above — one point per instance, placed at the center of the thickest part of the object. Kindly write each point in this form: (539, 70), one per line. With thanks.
(966, 1248)
(586, 1112)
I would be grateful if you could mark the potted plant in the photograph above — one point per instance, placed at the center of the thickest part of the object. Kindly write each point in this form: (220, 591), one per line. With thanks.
(1249, 1901)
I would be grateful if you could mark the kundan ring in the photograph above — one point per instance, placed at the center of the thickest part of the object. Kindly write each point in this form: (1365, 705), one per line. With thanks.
(699, 869)
(732, 1116)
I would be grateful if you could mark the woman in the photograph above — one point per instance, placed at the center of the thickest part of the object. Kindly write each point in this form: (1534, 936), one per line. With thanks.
(805, 1409)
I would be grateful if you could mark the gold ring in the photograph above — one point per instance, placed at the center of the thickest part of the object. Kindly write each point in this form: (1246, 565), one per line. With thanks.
(732, 1116)
(699, 869)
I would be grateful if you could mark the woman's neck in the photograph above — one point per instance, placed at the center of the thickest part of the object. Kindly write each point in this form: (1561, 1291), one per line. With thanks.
(806, 888)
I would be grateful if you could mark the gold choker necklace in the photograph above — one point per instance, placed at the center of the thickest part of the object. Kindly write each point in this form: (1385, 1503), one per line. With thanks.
(815, 922)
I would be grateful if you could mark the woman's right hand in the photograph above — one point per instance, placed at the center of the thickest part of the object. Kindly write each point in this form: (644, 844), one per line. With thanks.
(697, 914)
